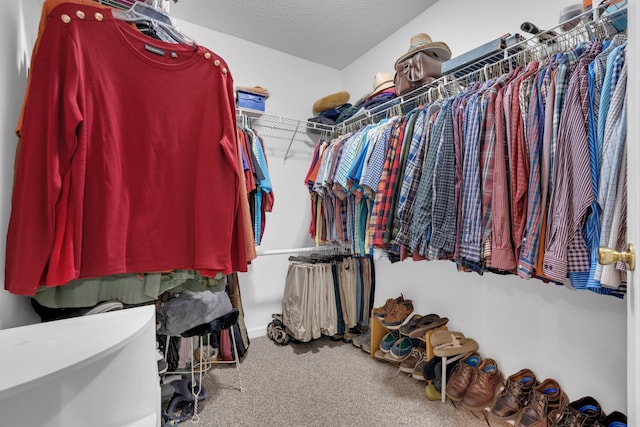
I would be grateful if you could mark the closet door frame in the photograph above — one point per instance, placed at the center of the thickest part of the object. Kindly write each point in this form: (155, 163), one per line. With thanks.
(633, 226)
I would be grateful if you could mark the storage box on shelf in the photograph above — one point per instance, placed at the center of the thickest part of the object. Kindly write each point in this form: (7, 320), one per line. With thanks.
(251, 101)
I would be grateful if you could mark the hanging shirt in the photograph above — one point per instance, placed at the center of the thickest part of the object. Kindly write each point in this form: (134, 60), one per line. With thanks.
(411, 178)
(535, 128)
(572, 194)
(502, 256)
(122, 165)
(612, 156)
(597, 69)
(443, 237)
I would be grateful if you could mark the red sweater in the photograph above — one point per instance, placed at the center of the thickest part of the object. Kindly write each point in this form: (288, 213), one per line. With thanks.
(128, 161)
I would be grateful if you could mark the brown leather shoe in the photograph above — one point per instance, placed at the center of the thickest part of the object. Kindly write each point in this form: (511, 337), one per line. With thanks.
(460, 378)
(398, 314)
(515, 395)
(583, 412)
(484, 383)
(546, 405)
(381, 312)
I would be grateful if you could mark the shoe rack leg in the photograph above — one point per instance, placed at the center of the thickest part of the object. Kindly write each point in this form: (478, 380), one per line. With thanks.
(236, 359)
(443, 386)
(445, 361)
(377, 332)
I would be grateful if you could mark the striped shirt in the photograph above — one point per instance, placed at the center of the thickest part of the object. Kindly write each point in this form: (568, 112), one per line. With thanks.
(502, 257)
(572, 193)
(534, 132)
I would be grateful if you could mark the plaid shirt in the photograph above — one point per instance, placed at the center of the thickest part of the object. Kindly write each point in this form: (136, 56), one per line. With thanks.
(398, 172)
(410, 180)
(443, 238)
(470, 246)
(371, 177)
(459, 105)
(518, 164)
(377, 222)
(597, 71)
(613, 150)
(612, 72)
(423, 204)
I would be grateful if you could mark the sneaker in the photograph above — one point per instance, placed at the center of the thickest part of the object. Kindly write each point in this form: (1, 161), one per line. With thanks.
(401, 348)
(582, 412)
(515, 395)
(379, 355)
(348, 337)
(366, 345)
(388, 357)
(418, 370)
(548, 401)
(359, 339)
(408, 365)
(381, 312)
(398, 315)
(387, 341)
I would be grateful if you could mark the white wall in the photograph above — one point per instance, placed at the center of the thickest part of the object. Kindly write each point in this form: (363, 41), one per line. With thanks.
(578, 338)
(17, 31)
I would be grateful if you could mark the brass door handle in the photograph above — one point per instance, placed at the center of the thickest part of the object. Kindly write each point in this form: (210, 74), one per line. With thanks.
(609, 256)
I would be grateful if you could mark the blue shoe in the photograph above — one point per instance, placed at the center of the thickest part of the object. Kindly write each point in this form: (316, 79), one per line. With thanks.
(401, 349)
(387, 341)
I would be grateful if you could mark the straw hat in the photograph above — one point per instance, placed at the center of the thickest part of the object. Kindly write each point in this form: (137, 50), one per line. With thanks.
(381, 81)
(331, 101)
(422, 42)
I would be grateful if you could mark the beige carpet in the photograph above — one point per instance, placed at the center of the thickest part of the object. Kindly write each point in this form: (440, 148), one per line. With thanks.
(321, 383)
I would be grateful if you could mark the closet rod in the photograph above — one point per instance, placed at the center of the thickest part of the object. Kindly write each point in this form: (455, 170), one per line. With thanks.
(524, 49)
(310, 249)
(260, 119)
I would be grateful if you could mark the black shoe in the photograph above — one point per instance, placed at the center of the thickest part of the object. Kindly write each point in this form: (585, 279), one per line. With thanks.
(437, 380)
(614, 419)
(584, 411)
(428, 370)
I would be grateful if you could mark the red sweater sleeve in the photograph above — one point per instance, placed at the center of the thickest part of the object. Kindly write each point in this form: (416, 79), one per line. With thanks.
(49, 140)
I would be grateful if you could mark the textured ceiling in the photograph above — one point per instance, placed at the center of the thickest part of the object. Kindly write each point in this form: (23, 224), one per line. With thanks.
(329, 32)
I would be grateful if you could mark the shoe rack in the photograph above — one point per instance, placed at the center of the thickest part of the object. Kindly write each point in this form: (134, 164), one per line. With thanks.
(378, 331)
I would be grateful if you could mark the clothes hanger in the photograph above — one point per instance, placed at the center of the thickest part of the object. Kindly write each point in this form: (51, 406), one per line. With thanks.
(160, 22)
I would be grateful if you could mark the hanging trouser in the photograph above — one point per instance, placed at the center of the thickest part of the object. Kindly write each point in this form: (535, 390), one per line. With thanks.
(336, 291)
(295, 313)
(315, 296)
(327, 302)
(348, 292)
